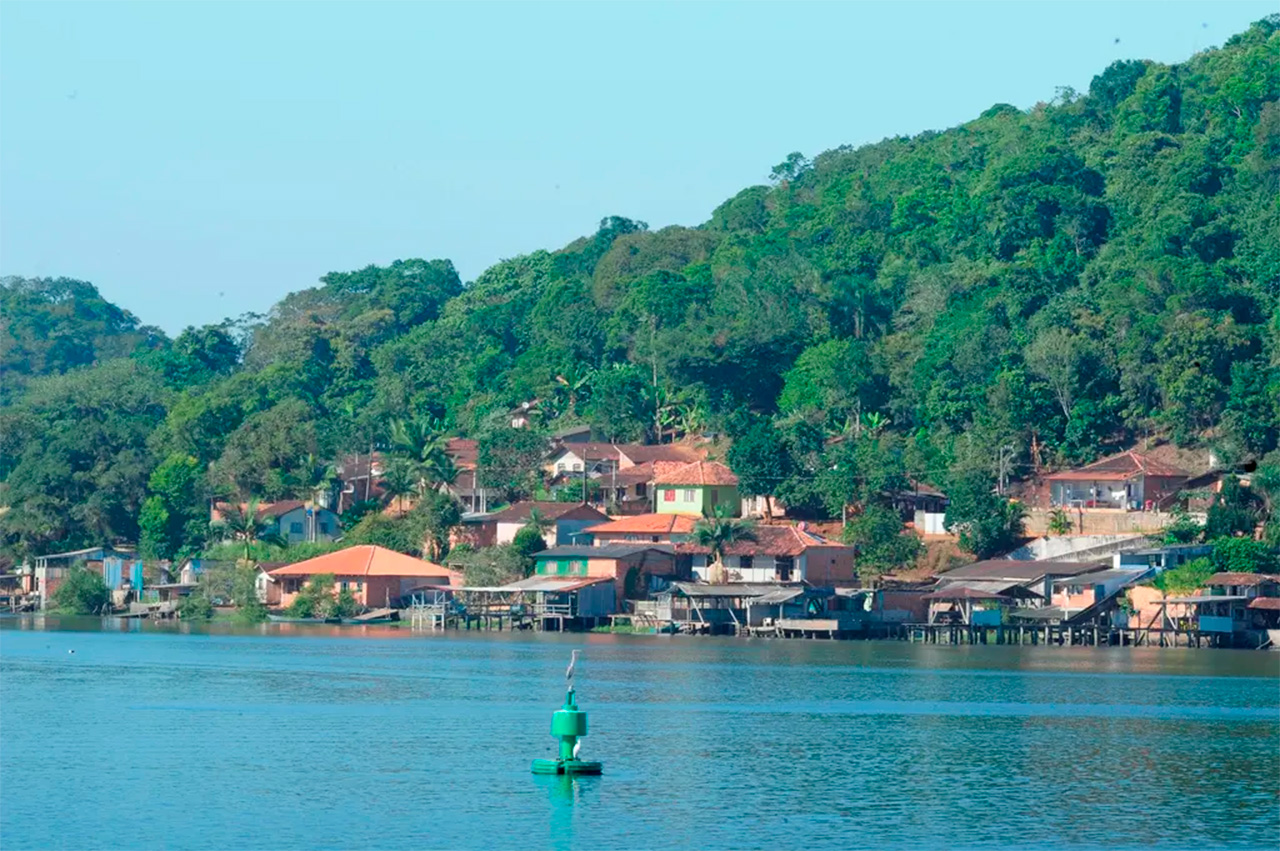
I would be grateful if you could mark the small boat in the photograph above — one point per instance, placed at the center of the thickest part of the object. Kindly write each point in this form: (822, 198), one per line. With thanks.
(287, 619)
(374, 616)
(364, 621)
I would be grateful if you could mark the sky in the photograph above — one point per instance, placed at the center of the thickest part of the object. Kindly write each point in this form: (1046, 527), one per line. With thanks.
(200, 160)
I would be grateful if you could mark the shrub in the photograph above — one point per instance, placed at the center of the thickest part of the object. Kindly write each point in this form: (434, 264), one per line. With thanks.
(1244, 555)
(82, 592)
(1185, 577)
(195, 607)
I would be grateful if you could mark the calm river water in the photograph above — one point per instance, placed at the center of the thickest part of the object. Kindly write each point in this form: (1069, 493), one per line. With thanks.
(285, 737)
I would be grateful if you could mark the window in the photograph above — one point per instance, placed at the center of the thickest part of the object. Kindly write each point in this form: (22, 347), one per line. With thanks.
(577, 468)
(668, 495)
(578, 568)
(711, 496)
(359, 584)
(784, 565)
(295, 528)
(324, 527)
(559, 466)
(690, 495)
(344, 586)
(744, 561)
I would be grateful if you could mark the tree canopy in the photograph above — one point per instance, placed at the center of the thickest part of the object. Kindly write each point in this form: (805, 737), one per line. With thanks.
(1059, 280)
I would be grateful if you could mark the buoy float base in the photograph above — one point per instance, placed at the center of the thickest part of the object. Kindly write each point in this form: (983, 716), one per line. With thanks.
(566, 766)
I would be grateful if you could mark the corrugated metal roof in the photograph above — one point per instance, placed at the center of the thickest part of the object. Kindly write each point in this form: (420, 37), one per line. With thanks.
(1268, 603)
(1102, 576)
(1206, 598)
(1022, 571)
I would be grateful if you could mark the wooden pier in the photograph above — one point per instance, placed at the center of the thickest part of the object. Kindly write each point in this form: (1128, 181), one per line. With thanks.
(1062, 635)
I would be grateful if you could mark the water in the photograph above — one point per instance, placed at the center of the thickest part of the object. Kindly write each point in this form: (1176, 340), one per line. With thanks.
(304, 737)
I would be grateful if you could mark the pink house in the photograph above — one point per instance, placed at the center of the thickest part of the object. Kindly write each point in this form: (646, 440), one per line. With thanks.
(375, 575)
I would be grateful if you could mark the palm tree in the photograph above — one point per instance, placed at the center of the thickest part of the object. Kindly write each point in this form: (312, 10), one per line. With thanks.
(575, 380)
(438, 469)
(716, 532)
(317, 476)
(242, 523)
(399, 479)
(418, 439)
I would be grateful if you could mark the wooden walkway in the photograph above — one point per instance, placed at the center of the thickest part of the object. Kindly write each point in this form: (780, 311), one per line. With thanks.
(1062, 635)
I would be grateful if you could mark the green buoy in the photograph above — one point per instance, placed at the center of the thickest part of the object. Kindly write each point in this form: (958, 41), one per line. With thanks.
(568, 724)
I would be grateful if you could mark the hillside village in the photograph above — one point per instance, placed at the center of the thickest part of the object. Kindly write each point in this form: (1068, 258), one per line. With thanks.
(663, 538)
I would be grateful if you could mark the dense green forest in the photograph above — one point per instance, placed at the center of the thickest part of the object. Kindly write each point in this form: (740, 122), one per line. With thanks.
(1061, 280)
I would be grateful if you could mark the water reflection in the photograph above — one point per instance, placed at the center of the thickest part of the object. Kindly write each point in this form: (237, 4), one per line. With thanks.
(706, 743)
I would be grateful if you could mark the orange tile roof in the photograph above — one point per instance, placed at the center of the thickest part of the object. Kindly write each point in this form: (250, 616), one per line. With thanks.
(366, 560)
(698, 473)
(648, 524)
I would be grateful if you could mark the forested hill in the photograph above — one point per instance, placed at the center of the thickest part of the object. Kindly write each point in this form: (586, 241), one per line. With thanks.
(1061, 280)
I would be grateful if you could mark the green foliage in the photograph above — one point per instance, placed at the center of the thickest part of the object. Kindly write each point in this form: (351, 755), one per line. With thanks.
(882, 543)
(489, 567)
(1186, 577)
(345, 605)
(507, 458)
(243, 523)
(82, 592)
(1183, 530)
(174, 523)
(379, 530)
(1233, 512)
(315, 599)
(988, 524)
(1244, 555)
(1060, 523)
(528, 542)
(196, 606)
(718, 531)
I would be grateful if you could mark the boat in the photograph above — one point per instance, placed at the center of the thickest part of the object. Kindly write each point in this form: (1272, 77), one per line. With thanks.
(364, 621)
(374, 616)
(287, 619)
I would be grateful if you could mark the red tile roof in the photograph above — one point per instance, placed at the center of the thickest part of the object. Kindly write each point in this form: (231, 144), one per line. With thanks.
(464, 452)
(1125, 465)
(669, 452)
(770, 541)
(696, 474)
(1270, 603)
(647, 524)
(366, 560)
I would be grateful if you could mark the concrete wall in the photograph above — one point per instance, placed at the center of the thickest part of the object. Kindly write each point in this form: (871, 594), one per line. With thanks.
(1099, 521)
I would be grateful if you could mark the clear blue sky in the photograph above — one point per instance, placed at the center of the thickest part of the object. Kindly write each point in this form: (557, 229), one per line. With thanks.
(198, 160)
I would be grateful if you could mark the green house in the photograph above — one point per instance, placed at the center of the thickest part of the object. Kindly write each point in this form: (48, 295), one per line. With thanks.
(698, 488)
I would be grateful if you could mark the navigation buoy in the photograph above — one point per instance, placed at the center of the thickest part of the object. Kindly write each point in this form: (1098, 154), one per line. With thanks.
(568, 724)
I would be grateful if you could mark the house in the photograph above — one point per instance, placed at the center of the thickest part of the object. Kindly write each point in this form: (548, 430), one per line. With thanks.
(724, 608)
(375, 575)
(600, 459)
(629, 491)
(637, 570)
(924, 508)
(976, 602)
(1128, 481)
(1160, 558)
(788, 553)
(1035, 576)
(45, 573)
(1074, 594)
(466, 488)
(358, 476)
(293, 520)
(696, 488)
(1234, 609)
(568, 520)
(649, 528)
